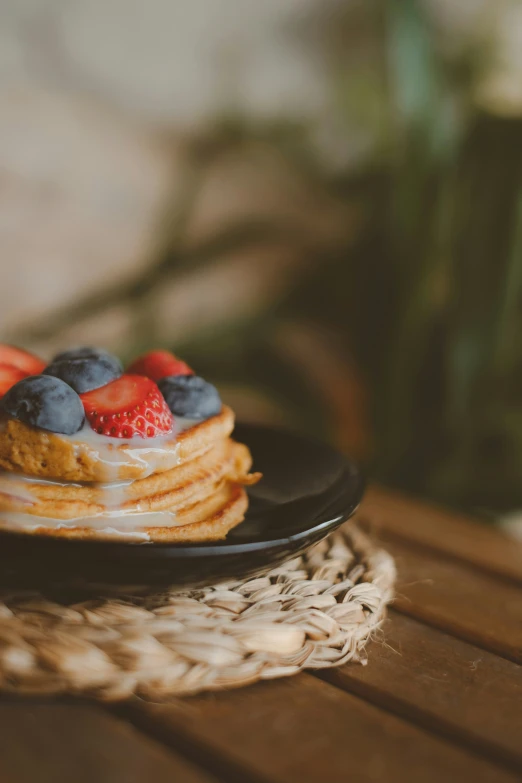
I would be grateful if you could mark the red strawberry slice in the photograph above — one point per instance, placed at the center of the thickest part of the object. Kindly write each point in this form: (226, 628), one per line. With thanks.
(158, 364)
(9, 375)
(131, 405)
(24, 360)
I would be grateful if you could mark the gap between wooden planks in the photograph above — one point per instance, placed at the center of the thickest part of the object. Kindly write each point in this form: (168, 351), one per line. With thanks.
(448, 686)
(462, 601)
(304, 730)
(460, 597)
(395, 516)
(63, 743)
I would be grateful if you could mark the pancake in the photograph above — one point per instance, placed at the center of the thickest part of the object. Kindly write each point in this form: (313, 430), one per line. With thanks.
(172, 490)
(208, 520)
(182, 487)
(88, 456)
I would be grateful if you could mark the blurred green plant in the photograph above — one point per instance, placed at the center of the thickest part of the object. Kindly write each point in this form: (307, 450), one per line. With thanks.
(447, 415)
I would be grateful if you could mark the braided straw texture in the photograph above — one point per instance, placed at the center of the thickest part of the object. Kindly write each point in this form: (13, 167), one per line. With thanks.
(315, 611)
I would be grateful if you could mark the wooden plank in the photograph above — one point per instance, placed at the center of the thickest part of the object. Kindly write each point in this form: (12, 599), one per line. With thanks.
(443, 530)
(303, 730)
(459, 599)
(42, 743)
(444, 685)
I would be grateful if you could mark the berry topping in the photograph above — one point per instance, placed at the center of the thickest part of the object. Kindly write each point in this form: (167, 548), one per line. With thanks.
(190, 396)
(45, 402)
(159, 364)
(16, 357)
(85, 369)
(85, 352)
(9, 375)
(131, 405)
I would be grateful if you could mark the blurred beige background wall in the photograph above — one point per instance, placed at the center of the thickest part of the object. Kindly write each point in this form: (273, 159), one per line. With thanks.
(87, 93)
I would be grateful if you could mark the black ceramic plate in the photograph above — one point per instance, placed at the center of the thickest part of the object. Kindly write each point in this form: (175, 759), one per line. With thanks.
(307, 490)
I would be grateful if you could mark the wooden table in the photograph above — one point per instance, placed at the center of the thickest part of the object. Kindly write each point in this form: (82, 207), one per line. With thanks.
(440, 699)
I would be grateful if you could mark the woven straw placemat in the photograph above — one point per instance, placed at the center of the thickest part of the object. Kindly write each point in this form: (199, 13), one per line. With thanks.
(315, 611)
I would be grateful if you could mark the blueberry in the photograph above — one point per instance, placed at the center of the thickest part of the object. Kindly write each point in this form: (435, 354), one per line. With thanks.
(45, 402)
(85, 369)
(190, 396)
(83, 352)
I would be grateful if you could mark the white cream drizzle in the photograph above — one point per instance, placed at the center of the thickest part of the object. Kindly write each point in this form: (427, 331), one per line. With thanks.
(137, 452)
(115, 521)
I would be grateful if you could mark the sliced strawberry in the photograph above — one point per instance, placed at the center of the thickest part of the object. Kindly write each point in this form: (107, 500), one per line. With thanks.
(158, 364)
(24, 360)
(131, 405)
(9, 375)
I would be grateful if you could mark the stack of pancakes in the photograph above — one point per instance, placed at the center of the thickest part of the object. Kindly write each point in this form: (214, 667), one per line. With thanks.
(187, 487)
